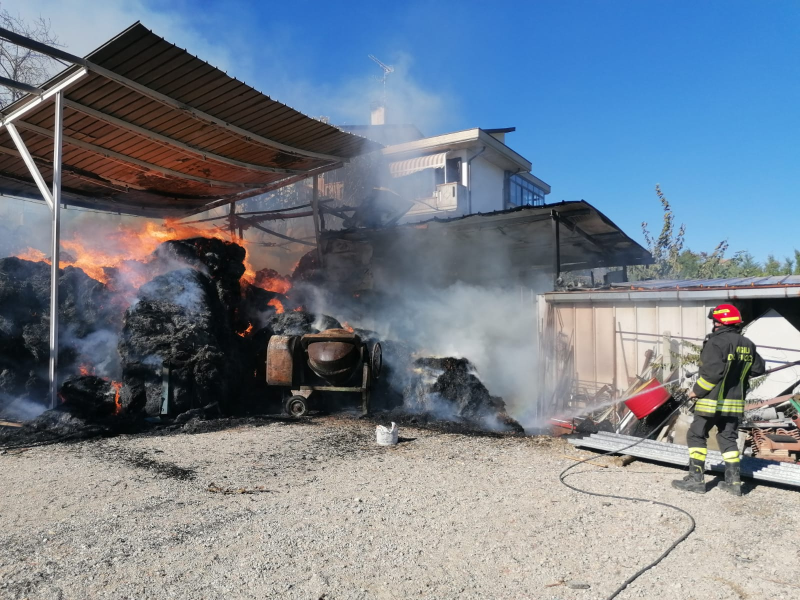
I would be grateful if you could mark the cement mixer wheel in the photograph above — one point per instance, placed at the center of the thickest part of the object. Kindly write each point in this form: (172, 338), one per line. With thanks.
(297, 406)
(376, 360)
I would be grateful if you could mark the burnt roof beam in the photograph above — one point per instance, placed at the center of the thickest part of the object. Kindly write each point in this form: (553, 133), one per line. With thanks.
(163, 139)
(30, 44)
(129, 160)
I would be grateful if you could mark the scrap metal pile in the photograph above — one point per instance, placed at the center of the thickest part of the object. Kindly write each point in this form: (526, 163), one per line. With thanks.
(769, 434)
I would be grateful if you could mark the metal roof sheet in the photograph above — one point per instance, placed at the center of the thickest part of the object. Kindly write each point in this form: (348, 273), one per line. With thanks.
(127, 151)
(697, 284)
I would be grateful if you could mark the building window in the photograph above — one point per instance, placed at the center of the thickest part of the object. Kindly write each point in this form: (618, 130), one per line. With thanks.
(522, 192)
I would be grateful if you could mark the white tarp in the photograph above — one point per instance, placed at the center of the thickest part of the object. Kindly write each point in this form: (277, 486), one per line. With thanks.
(779, 343)
(401, 168)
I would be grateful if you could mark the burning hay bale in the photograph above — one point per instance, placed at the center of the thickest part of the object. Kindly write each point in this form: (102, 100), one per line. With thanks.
(301, 323)
(88, 396)
(449, 388)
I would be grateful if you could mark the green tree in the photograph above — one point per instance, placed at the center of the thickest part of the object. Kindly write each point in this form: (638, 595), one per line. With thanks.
(796, 263)
(665, 249)
(772, 266)
(744, 265)
(788, 266)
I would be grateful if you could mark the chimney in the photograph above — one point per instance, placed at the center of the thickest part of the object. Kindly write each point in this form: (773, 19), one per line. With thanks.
(377, 114)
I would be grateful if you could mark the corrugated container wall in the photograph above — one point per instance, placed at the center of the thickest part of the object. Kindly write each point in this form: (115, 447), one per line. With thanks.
(610, 339)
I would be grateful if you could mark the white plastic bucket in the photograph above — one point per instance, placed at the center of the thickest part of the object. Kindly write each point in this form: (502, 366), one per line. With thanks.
(385, 436)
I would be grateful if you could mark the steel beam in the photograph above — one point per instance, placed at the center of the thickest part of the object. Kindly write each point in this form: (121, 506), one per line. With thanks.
(56, 254)
(49, 93)
(25, 42)
(556, 248)
(173, 143)
(28, 160)
(22, 87)
(266, 189)
(315, 215)
(269, 231)
(123, 158)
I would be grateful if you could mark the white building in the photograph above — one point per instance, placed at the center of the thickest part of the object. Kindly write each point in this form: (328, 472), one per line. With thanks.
(461, 173)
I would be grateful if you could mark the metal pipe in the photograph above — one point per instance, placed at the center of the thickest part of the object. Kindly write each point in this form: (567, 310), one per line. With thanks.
(58, 128)
(469, 178)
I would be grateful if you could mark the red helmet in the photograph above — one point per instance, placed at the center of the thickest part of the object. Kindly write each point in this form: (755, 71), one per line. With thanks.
(726, 314)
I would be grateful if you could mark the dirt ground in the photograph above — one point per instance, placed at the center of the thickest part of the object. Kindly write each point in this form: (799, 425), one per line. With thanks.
(331, 515)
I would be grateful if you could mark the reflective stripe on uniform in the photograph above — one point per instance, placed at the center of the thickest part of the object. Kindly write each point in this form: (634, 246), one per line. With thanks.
(731, 457)
(698, 453)
(705, 384)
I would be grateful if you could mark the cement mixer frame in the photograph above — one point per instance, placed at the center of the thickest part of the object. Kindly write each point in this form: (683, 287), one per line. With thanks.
(288, 368)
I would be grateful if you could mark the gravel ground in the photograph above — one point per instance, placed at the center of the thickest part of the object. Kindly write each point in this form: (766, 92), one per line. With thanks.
(332, 515)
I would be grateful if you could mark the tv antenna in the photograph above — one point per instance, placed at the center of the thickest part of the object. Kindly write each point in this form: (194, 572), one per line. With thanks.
(386, 70)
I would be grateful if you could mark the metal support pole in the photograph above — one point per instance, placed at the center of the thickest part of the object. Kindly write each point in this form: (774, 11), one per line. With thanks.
(55, 253)
(556, 248)
(315, 210)
(232, 220)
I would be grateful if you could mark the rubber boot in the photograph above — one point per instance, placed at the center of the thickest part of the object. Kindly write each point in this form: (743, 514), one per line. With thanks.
(694, 481)
(733, 479)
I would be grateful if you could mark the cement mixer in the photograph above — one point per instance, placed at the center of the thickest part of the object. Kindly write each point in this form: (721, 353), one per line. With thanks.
(335, 360)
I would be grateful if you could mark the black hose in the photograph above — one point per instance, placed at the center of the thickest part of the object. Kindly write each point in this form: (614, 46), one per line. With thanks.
(688, 532)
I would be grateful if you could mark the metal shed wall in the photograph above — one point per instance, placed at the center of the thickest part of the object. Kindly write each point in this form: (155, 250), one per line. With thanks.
(610, 338)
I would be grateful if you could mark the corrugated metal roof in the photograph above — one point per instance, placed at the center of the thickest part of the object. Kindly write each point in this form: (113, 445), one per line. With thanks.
(587, 237)
(717, 290)
(695, 284)
(128, 152)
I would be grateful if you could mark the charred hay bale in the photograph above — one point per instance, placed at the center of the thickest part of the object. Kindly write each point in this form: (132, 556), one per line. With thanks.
(222, 261)
(85, 308)
(449, 388)
(179, 323)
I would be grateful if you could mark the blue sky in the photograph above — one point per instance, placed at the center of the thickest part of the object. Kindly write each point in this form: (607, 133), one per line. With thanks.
(608, 97)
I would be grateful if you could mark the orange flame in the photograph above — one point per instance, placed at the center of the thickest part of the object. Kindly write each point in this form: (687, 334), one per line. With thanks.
(85, 370)
(347, 326)
(130, 242)
(277, 305)
(246, 331)
(117, 385)
(271, 281)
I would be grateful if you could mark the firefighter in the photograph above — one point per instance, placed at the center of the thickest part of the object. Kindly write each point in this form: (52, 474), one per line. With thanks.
(727, 363)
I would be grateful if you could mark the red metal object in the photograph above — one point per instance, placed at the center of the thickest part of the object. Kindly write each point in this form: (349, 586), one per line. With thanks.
(647, 399)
